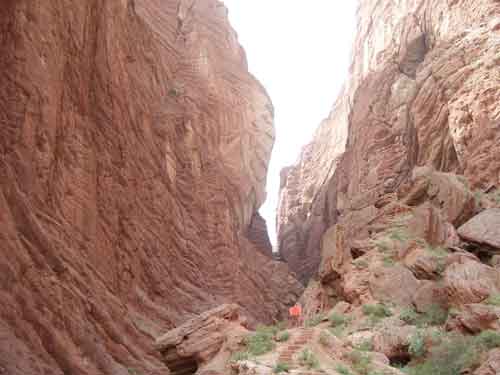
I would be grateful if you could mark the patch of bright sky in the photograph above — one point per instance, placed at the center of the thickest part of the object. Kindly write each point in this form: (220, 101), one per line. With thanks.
(300, 51)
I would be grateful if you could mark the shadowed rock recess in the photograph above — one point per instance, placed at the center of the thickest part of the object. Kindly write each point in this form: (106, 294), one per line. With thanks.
(134, 147)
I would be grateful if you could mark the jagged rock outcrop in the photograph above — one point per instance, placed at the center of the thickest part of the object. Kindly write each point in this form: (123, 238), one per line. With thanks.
(258, 235)
(483, 229)
(393, 207)
(133, 155)
(205, 343)
(423, 90)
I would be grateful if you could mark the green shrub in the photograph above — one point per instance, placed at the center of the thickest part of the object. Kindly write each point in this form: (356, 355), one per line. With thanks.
(342, 370)
(365, 346)
(447, 359)
(361, 362)
(283, 336)
(261, 342)
(456, 354)
(361, 263)
(324, 338)
(478, 197)
(281, 367)
(314, 321)
(377, 311)
(488, 340)
(409, 315)
(337, 331)
(308, 359)
(388, 261)
(382, 244)
(438, 252)
(337, 319)
(496, 196)
(269, 330)
(434, 315)
(399, 234)
(174, 92)
(441, 266)
(417, 345)
(493, 300)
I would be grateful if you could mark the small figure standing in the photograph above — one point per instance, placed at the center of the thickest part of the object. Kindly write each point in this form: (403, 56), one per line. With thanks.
(295, 315)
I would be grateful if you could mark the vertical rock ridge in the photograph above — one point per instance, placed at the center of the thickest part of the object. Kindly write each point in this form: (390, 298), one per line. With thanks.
(133, 155)
(421, 91)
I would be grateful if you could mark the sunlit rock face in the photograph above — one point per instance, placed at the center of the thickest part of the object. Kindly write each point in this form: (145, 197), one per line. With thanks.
(423, 89)
(134, 147)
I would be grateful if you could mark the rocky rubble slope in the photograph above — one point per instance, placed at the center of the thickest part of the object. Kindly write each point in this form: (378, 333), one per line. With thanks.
(133, 155)
(423, 90)
(372, 339)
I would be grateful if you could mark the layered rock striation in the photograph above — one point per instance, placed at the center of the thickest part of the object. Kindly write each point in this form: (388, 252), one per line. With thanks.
(423, 90)
(133, 156)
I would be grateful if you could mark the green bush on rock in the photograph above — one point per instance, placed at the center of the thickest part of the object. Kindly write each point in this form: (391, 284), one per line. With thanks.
(456, 354)
(281, 367)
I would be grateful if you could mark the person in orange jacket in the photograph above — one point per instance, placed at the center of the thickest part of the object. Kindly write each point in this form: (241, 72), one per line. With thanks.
(295, 313)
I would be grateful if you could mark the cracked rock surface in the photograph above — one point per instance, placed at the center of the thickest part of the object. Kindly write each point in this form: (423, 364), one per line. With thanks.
(133, 156)
(423, 90)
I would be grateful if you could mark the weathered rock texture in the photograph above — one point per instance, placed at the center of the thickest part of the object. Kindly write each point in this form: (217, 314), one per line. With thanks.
(423, 90)
(483, 229)
(205, 343)
(133, 154)
(258, 235)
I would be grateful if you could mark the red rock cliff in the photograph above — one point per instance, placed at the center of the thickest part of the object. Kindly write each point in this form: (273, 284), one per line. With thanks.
(133, 155)
(423, 90)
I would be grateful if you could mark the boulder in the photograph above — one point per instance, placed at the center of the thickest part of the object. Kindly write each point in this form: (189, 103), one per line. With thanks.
(335, 253)
(474, 318)
(446, 191)
(469, 281)
(395, 284)
(483, 229)
(204, 343)
(430, 293)
(393, 341)
(425, 264)
(491, 365)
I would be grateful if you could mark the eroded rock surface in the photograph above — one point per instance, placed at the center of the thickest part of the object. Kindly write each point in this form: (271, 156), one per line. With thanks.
(483, 229)
(133, 155)
(205, 343)
(422, 91)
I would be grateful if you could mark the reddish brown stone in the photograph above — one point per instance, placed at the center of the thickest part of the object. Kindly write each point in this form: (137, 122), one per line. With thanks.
(475, 318)
(133, 155)
(204, 343)
(422, 91)
(483, 229)
(491, 365)
(469, 281)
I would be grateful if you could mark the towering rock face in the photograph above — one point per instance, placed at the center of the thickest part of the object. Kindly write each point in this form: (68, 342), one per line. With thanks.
(423, 90)
(133, 155)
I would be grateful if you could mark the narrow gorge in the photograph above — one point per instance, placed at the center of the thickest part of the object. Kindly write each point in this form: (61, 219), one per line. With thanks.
(134, 150)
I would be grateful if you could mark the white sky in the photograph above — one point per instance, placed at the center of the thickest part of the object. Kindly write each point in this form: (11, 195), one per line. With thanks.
(300, 51)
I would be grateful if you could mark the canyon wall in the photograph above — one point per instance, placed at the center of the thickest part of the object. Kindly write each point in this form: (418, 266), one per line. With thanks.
(423, 89)
(133, 156)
